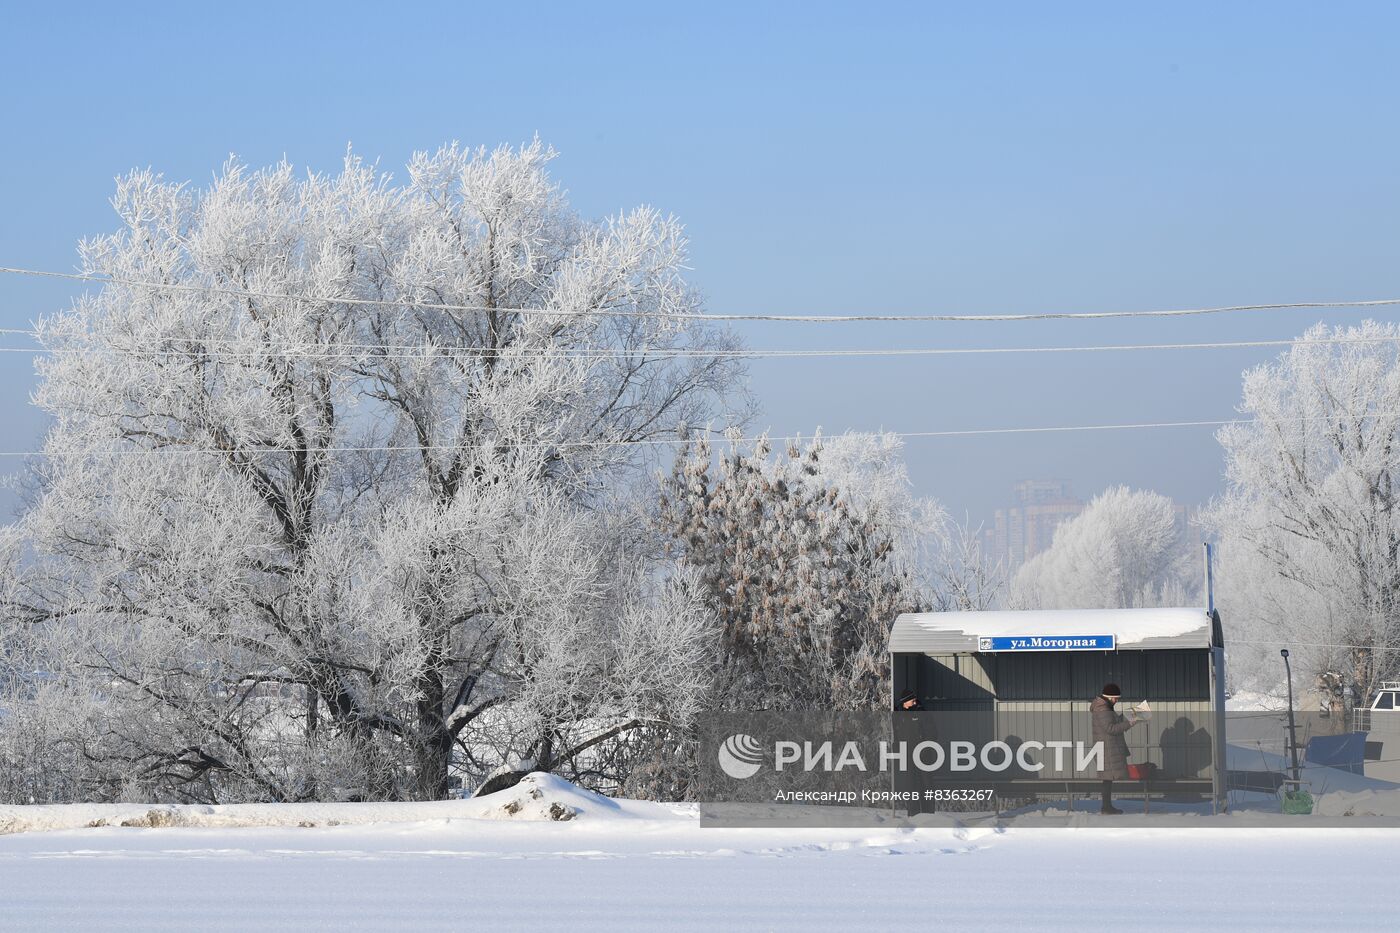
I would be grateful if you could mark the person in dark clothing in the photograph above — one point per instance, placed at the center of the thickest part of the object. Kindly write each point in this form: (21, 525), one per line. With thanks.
(908, 702)
(1109, 726)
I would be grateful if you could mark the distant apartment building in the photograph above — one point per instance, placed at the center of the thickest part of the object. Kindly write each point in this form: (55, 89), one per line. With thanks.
(1021, 531)
(1025, 529)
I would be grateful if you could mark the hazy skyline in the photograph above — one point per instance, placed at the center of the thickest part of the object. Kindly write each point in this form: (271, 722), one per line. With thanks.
(899, 159)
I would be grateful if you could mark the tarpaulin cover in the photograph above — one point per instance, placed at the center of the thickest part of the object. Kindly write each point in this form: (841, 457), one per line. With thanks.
(1346, 752)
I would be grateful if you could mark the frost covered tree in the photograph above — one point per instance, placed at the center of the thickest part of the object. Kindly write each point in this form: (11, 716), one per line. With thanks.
(804, 567)
(869, 471)
(1123, 550)
(965, 578)
(944, 560)
(1310, 523)
(320, 498)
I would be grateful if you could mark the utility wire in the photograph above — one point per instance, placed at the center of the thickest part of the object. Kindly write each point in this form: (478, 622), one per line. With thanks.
(612, 312)
(1314, 644)
(678, 441)
(641, 442)
(392, 351)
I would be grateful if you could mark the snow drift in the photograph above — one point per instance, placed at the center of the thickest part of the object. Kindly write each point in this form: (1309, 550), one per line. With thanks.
(538, 797)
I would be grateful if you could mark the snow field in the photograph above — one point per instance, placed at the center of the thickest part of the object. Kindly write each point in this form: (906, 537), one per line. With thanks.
(629, 865)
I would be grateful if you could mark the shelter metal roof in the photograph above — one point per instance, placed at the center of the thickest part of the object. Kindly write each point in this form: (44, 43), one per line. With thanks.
(1133, 629)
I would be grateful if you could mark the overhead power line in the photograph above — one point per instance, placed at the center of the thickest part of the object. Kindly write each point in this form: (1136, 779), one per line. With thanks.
(418, 351)
(712, 435)
(653, 442)
(408, 352)
(1312, 644)
(618, 312)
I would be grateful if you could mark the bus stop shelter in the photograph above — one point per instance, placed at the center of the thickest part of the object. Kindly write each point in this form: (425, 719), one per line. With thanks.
(1023, 674)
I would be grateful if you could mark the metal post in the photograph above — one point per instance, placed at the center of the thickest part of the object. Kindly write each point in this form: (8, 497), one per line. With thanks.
(1220, 774)
(1210, 579)
(1292, 728)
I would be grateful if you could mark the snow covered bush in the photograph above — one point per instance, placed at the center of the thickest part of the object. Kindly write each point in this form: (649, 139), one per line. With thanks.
(323, 483)
(805, 566)
(1125, 549)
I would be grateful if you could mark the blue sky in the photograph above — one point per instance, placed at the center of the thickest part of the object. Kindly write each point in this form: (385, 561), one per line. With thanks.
(902, 158)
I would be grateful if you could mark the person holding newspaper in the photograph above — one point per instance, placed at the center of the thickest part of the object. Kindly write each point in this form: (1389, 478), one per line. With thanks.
(1109, 726)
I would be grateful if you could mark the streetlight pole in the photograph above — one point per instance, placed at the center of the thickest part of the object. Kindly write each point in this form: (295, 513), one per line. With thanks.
(1292, 728)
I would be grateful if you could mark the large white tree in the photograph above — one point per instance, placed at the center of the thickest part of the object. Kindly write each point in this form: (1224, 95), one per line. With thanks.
(1125, 549)
(1310, 522)
(333, 445)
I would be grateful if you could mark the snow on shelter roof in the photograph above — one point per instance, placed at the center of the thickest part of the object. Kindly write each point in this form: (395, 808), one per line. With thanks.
(1134, 629)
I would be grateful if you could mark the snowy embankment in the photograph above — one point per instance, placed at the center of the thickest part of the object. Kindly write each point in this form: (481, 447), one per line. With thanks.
(537, 797)
(546, 855)
(547, 798)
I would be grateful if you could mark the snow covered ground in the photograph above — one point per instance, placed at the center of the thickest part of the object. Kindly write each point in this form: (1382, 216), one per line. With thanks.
(636, 866)
(1255, 700)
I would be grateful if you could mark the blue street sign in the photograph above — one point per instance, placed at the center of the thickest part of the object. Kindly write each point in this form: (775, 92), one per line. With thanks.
(1046, 643)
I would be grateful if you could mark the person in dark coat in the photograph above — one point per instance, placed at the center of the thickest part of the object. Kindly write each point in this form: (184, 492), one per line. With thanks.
(1109, 726)
(909, 702)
